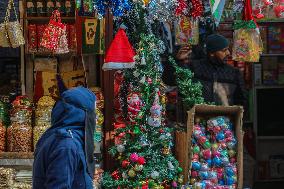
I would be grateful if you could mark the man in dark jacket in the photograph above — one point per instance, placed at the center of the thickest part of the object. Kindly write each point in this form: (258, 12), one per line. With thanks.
(222, 83)
(64, 154)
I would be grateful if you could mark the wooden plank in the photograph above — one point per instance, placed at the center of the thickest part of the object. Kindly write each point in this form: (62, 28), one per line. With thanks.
(108, 87)
(16, 155)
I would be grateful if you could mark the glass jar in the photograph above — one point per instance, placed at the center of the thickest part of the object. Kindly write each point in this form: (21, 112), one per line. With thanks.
(41, 125)
(2, 137)
(19, 134)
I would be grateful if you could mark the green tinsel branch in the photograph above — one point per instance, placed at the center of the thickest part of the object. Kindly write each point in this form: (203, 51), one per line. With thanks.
(191, 92)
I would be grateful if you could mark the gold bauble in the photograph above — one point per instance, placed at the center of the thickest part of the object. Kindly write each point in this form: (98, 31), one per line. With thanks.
(99, 117)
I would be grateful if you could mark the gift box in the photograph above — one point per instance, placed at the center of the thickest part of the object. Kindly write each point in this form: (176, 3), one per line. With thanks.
(183, 138)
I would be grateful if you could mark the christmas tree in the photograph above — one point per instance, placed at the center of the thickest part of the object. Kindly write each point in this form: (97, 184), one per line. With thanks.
(144, 152)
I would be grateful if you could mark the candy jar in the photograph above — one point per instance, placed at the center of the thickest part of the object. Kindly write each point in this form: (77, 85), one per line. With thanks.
(43, 117)
(2, 137)
(19, 134)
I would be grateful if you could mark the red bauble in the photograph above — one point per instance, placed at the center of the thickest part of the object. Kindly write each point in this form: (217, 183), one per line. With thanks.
(141, 160)
(125, 163)
(115, 175)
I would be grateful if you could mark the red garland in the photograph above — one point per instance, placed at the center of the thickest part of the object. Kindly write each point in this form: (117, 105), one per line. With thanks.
(182, 8)
(197, 8)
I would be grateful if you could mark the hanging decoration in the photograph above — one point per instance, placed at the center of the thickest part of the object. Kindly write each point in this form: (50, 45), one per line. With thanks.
(217, 8)
(197, 8)
(161, 10)
(182, 8)
(118, 7)
(120, 54)
(247, 45)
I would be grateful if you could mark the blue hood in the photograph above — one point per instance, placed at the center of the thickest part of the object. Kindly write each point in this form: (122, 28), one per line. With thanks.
(71, 110)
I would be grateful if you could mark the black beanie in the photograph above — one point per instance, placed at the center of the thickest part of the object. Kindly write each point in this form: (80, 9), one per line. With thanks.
(216, 42)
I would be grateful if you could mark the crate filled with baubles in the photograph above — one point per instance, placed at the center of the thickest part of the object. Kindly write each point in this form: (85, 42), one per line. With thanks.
(210, 148)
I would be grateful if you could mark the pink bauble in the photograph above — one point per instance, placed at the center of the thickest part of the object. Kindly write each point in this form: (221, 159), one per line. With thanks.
(134, 157)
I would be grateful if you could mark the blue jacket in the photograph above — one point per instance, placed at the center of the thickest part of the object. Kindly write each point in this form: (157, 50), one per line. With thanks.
(60, 161)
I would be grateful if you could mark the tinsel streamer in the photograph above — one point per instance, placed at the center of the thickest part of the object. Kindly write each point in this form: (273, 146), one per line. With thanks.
(100, 6)
(238, 24)
(182, 8)
(191, 92)
(161, 10)
(118, 7)
(238, 6)
(197, 8)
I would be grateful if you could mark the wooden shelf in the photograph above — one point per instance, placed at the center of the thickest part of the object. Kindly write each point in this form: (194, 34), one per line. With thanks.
(270, 20)
(46, 18)
(268, 86)
(52, 54)
(282, 54)
(16, 155)
(271, 180)
(270, 137)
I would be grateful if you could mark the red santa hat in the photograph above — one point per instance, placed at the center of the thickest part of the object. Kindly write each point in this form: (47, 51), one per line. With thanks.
(120, 54)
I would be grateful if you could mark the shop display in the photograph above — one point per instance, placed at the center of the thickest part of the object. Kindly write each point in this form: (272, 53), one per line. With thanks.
(11, 31)
(247, 45)
(43, 117)
(214, 154)
(7, 177)
(2, 137)
(19, 134)
(54, 35)
(35, 35)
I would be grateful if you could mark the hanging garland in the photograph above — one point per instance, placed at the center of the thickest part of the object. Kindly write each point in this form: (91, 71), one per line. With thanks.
(191, 92)
(118, 7)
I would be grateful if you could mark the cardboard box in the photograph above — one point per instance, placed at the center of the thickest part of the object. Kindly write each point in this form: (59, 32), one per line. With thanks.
(46, 64)
(183, 138)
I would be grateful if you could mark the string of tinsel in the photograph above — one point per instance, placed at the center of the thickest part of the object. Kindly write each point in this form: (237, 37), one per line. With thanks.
(238, 24)
(118, 7)
(191, 92)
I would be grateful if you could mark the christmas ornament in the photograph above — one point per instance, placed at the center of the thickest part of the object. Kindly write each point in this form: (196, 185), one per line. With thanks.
(141, 160)
(170, 166)
(134, 106)
(160, 10)
(131, 173)
(155, 174)
(166, 151)
(156, 110)
(134, 157)
(125, 163)
(120, 148)
(115, 175)
(138, 167)
(120, 54)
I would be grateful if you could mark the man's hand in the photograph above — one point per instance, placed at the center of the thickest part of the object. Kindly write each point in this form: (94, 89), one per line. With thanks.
(183, 54)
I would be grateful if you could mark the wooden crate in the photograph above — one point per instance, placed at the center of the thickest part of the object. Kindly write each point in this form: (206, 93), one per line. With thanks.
(183, 138)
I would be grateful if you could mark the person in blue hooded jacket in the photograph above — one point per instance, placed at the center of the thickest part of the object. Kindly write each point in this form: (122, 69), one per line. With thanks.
(64, 154)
